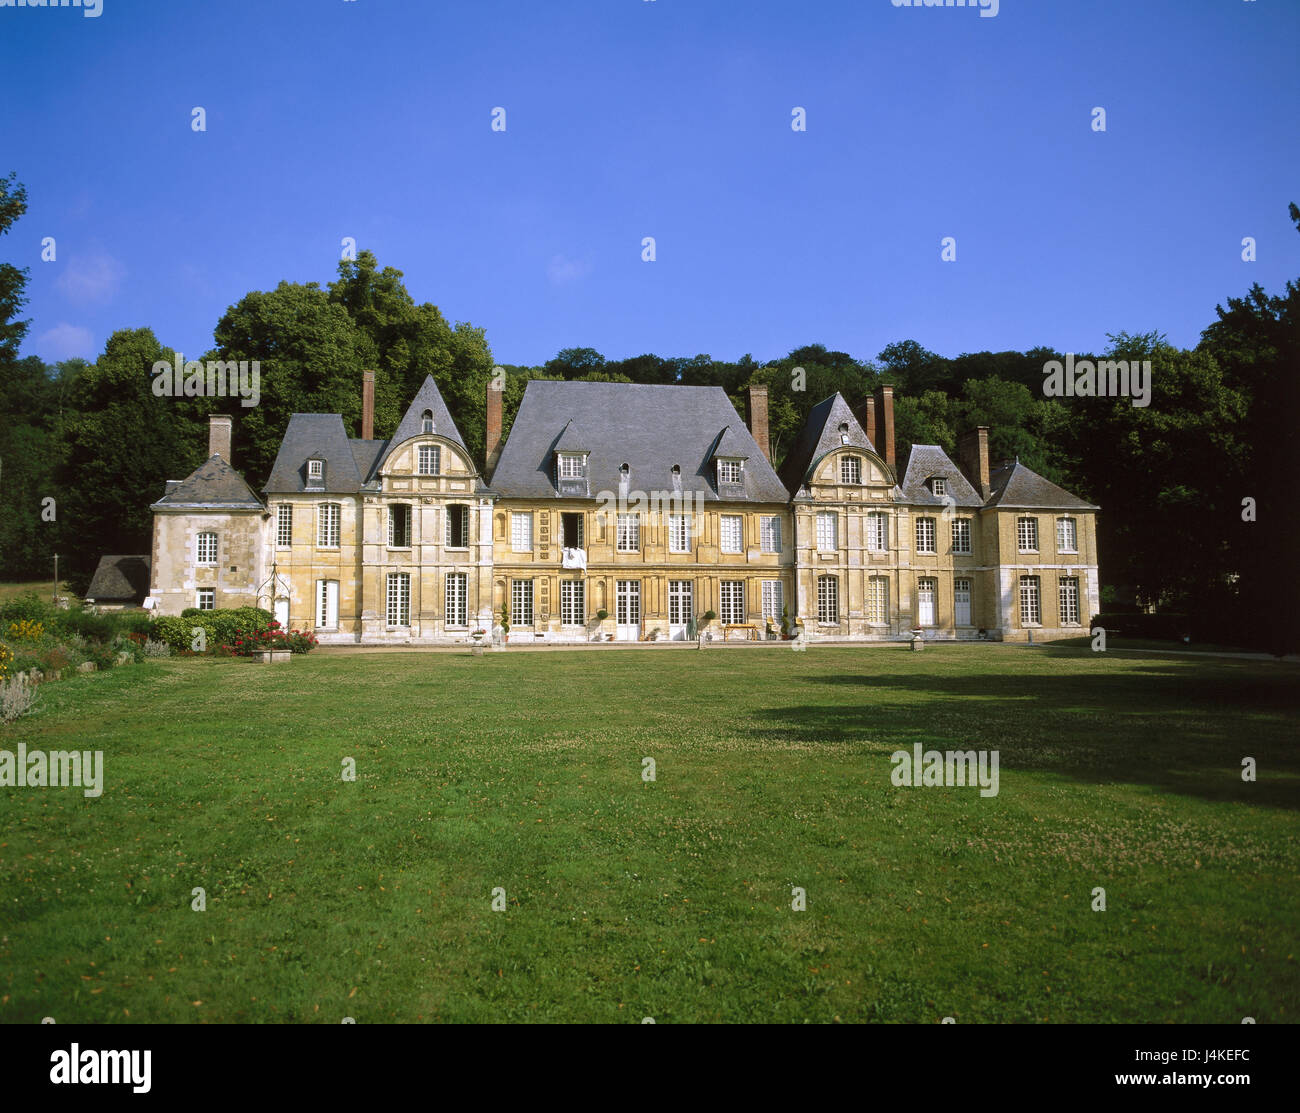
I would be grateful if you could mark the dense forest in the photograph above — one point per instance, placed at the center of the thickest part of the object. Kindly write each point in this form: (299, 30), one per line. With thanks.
(1194, 487)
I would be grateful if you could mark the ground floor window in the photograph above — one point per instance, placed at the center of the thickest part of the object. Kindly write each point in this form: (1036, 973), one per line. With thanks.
(1069, 593)
(961, 602)
(878, 600)
(573, 610)
(773, 600)
(1031, 612)
(731, 605)
(828, 600)
(521, 602)
(457, 600)
(926, 590)
(399, 599)
(681, 602)
(206, 599)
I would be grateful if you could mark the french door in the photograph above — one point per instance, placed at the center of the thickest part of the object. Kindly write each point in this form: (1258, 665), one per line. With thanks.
(627, 610)
(681, 605)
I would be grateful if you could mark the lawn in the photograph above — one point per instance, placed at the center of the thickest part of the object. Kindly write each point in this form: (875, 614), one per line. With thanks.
(671, 899)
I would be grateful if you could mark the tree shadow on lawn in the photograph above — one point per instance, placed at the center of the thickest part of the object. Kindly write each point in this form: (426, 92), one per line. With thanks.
(1167, 727)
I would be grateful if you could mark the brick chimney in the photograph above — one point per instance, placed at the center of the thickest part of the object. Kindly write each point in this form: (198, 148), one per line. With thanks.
(758, 419)
(973, 456)
(493, 447)
(219, 436)
(884, 438)
(869, 421)
(367, 405)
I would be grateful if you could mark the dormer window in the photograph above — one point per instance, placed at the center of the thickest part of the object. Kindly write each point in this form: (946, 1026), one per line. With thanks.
(851, 469)
(316, 473)
(572, 466)
(844, 432)
(677, 477)
(426, 421)
(729, 472)
(623, 472)
(938, 485)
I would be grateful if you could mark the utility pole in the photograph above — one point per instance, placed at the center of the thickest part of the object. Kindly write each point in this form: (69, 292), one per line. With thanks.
(56, 578)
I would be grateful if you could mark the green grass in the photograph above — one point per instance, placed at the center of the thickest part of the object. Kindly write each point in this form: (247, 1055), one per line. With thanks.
(669, 899)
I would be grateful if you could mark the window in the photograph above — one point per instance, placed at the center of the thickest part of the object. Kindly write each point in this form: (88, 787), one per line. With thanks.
(826, 531)
(925, 535)
(731, 533)
(627, 606)
(731, 605)
(938, 485)
(769, 533)
(681, 602)
(961, 602)
(629, 533)
(327, 525)
(570, 466)
(878, 600)
(961, 535)
(850, 469)
(457, 599)
(728, 471)
(1069, 593)
(426, 421)
(207, 548)
(206, 599)
(521, 602)
(927, 590)
(877, 531)
(457, 526)
(1031, 613)
(773, 600)
(327, 604)
(1027, 534)
(521, 532)
(399, 526)
(430, 459)
(1067, 535)
(284, 525)
(572, 531)
(573, 610)
(399, 599)
(679, 533)
(828, 600)
(315, 473)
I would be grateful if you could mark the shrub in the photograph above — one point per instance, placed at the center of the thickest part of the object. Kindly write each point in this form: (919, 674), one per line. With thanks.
(172, 631)
(156, 649)
(26, 607)
(26, 630)
(16, 699)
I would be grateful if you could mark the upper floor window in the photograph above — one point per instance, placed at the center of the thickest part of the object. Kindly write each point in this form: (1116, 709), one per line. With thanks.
(521, 531)
(426, 421)
(925, 535)
(327, 525)
(1067, 535)
(629, 533)
(457, 526)
(207, 548)
(961, 535)
(850, 469)
(769, 533)
(826, 531)
(571, 466)
(430, 459)
(284, 525)
(1027, 535)
(877, 531)
(315, 473)
(399, 526)
(938, 485)
(728, 471)
(679, 533)
(731, 533)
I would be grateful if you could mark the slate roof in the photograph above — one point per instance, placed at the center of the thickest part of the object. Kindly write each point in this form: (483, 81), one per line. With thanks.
(119, 579)
(213, 485)
(925, 461)
(319, 436)
(1014, 485)
(650, 427)
(821, 434)
(428, 397)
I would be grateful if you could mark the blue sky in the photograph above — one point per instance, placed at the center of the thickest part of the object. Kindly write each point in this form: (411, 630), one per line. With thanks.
(663, 118)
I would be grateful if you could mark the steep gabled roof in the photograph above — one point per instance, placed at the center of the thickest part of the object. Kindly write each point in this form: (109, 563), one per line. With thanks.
(1013, 485)
(428, 397)
(924, 462)
(213, 485)
(650, 427)
(119, 579)
(821, 434)
(315, 436)
(573, 440)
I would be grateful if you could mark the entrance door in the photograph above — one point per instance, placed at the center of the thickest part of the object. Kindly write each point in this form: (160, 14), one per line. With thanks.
(925, 602)
(282, 613)
(627, 611)
(961, 602)
(681, 605)
(327, 604)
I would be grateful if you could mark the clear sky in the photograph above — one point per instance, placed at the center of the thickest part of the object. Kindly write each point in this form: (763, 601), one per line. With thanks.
(663, 118)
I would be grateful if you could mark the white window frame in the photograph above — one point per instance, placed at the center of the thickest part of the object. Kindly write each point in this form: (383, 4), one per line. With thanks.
(769, 533)
(962, 585)
(1027, 534)
(573, 603)
(961, 536)
(629, 533)
(938, 485)
(398, 597)
(731, 602)
(878, 531)
(410, 524)
(731, 533)
(828, 531)
(521, 603)
(679, 533)
(1031, 601)
(456, 600)
(322, 615)
(1068, 600)
(730, 471)
(1067, 535)
(208, 595)
(773, 600)
(570, 466)
(329, 523)
(315, 473)
(878, 600)
(205, 548)
(428, 459)
(926, 536)
(521, 531)
(828, 600)
(284, 525)
(851, 471)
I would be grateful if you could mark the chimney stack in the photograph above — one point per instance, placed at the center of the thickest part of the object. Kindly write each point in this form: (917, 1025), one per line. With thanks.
(493, 447)
(758, 419)
(219, 436)
(884, 439)
(973, 456)
(367, 405)
(869, 422)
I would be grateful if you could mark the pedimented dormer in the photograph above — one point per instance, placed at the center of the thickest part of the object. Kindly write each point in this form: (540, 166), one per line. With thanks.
(426, 453)
(834, 458)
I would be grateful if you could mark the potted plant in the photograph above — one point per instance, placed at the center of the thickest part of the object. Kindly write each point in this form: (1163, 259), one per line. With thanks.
(785, 623)
(505, 621)
(600, 635)
(705, 619)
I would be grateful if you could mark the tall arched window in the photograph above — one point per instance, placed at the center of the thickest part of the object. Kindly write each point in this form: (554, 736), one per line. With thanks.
(427, 421)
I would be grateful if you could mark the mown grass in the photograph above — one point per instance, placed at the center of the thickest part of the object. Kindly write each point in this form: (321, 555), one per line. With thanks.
(671, 898)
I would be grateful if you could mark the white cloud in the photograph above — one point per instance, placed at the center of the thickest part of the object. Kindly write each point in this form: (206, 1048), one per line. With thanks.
(65, 341)
(91, 278)
(563, 270)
